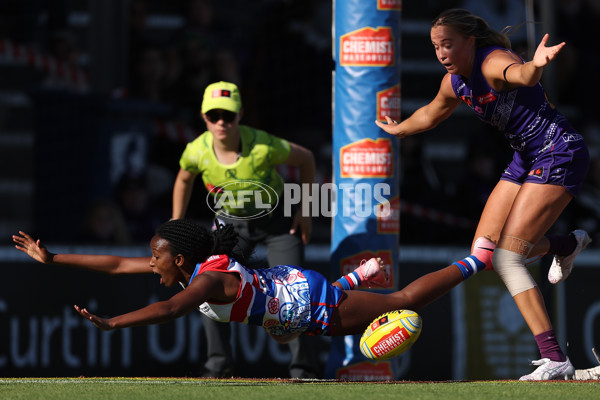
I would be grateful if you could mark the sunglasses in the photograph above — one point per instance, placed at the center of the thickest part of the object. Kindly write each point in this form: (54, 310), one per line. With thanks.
(215, 116)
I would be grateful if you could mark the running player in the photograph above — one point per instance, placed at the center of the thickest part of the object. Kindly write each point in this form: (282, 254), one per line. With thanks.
(548, 168)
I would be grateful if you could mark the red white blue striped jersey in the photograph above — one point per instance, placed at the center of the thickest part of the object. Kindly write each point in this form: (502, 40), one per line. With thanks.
(276, 298)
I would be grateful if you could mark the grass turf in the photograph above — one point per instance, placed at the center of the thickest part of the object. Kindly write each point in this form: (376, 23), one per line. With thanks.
(251, 389)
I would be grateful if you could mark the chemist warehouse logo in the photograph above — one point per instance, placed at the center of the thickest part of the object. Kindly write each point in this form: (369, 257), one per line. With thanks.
(368, 47)
(247, 200)
(367, 158)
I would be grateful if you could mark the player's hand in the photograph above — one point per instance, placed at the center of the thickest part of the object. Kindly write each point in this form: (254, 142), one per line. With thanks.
(543, 55)
(101, 323)
(304, 223)
(33, 248)
(391, 126)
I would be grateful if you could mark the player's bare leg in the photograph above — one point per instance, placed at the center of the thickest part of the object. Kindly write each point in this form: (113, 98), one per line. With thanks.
(358, 308)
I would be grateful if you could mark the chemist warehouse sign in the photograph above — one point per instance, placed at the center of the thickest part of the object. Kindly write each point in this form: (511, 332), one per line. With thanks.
(368, 47)
(367, 158)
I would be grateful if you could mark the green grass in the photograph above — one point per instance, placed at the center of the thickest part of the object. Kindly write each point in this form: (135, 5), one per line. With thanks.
(248, 389)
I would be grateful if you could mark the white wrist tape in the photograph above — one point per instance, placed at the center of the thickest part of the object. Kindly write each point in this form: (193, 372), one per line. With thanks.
(510, 266)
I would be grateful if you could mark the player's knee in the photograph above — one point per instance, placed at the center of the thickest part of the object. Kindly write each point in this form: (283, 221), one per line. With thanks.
(510, 266)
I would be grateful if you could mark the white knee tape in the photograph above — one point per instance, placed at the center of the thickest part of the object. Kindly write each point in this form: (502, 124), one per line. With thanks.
(510, 266)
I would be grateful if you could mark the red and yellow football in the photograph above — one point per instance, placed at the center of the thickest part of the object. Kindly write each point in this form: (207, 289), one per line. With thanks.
(390, 334)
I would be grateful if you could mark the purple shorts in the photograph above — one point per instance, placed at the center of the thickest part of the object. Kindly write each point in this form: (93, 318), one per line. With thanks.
(565, 163)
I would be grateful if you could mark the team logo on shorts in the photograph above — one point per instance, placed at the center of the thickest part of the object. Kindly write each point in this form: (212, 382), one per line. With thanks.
(538, 172)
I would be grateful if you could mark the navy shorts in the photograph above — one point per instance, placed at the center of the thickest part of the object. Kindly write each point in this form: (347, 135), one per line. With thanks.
(565, 164)
(324, 298)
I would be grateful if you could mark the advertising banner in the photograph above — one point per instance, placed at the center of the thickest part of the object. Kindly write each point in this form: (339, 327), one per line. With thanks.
(365, 159)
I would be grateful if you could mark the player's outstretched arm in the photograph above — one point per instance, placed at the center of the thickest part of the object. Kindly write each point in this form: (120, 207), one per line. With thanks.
(209, 285)
(502, 66)
(108, 264)
(155, 313)
(426, 117)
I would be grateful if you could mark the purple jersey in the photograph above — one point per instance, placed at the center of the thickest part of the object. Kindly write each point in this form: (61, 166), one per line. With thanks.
(547, 148)
(529, 122)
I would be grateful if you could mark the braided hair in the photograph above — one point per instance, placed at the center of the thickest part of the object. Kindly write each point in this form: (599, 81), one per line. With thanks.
(467, 24)
(195, 242)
